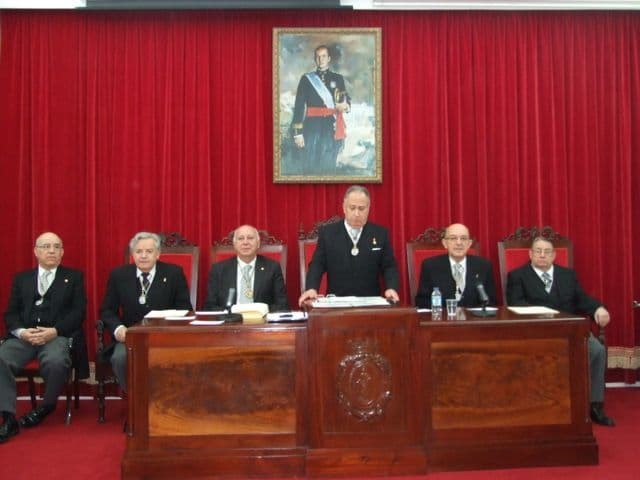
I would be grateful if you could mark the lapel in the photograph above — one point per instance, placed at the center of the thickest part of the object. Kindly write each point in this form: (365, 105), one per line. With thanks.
(537, 284)
(259, 278)
(157, 287)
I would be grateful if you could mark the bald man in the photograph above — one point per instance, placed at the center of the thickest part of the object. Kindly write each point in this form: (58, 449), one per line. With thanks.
(442, 271)
(254, 277)
(46, 308)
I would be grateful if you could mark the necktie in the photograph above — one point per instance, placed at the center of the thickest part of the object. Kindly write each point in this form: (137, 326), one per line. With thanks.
(145, 282)
(44, 282)
(458, 276)
(246, 290)
(546, 278)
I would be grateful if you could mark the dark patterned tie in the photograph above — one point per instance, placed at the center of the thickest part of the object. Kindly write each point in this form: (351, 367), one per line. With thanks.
(145, 282)
(546, 278)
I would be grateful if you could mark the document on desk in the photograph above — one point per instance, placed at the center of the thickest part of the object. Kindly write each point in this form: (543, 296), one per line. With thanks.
(284, 317)
(532, 310)
(346, 302)
(206, 322)
(166, 313)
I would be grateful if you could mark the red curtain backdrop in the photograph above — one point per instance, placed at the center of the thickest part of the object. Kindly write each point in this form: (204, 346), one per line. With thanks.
(115, 122)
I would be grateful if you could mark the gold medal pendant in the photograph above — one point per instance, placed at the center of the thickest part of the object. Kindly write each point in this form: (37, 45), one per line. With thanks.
(142, 299)
(355, 251)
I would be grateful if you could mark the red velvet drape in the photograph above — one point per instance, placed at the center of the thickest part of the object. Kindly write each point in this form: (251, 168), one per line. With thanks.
(114, 122)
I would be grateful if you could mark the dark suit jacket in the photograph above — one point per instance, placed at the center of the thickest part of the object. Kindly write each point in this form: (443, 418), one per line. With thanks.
(524, 287)
(120, 305)
(436, 272)
(268, 284)
(68, 308)
(348, 274)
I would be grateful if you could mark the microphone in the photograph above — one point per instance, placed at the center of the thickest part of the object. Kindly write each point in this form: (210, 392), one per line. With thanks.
(484, 299)
(230, 317)
(482, 293)
(230, 298)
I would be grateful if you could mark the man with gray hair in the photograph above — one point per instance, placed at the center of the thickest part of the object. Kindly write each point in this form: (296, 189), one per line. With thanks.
(354, 253)
(134, 290)
(254, 277)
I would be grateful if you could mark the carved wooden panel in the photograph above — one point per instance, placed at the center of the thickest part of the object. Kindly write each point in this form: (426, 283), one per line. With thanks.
(221, 390)
(500, 383)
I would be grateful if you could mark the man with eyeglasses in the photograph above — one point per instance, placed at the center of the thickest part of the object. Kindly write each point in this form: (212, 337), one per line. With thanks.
(134, 290)
(543, 283)
(46, 309)
(456, 273)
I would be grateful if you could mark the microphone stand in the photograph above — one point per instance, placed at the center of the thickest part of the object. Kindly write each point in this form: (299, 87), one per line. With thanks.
(230, 317)
(484, 312)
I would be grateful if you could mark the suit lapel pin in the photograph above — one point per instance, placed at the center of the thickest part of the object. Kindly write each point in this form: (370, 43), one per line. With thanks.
(164, 279)
(374, 241)
(66, 280)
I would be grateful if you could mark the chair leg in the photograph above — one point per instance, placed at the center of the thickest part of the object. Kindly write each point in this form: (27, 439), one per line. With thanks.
(76, 392)
(67, 412)
(100, 401)
(32, 391)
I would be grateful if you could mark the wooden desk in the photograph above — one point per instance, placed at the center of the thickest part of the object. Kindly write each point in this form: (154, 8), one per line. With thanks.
(357, 392)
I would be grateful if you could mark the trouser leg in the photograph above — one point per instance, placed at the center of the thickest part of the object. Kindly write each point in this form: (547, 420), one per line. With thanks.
(55, 363)
(14, 355)
(597, 368)
(119, 364)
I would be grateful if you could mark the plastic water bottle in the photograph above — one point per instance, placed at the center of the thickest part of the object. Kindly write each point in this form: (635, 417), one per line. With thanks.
(436, 302)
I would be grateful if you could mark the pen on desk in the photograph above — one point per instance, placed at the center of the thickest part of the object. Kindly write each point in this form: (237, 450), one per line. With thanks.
(286, 315)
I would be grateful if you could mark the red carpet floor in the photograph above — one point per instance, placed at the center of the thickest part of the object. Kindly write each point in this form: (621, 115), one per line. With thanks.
(88, 450)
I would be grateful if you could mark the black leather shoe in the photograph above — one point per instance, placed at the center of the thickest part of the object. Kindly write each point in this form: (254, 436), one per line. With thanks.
(9, 428)
(34, 417)
(598, 416)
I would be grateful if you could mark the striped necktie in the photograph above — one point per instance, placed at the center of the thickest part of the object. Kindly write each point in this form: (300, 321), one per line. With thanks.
(45, 282)
(546, 278)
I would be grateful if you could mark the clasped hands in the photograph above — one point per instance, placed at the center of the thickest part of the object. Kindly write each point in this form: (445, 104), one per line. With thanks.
(38, 335)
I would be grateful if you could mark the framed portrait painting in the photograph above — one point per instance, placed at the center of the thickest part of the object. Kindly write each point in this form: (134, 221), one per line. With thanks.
(326, 105)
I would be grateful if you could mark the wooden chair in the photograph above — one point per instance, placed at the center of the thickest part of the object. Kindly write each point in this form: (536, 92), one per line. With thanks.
(174, 249)
(426, 245)
(270, 247)
(307, 242)
(513, 251)
(79, 369)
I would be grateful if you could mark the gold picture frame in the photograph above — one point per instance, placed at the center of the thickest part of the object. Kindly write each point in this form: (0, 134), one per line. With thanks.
(327, 122)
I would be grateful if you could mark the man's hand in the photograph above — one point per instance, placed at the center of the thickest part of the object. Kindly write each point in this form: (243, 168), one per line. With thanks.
(342, 107)
(121, 333)
(601, 316)
(39, 335)
(299, 141)
(391, 295)
(307, 297)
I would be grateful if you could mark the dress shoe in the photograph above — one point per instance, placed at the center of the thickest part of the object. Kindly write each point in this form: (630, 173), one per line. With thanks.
(598, 416)
(9, 428)
(34, 417)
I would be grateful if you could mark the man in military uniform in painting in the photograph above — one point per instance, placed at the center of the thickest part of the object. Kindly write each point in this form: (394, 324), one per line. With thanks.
(318, 125)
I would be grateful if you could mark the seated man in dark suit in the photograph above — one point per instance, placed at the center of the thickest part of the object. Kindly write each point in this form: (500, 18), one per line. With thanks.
(254, 277)
(455, 273)
(354, 254)
(46, 307)
(135, 290)
(541, 282)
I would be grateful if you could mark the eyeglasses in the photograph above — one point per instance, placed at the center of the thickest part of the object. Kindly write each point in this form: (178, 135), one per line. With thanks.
(455, 238)
(540, 251)
(48, 246)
